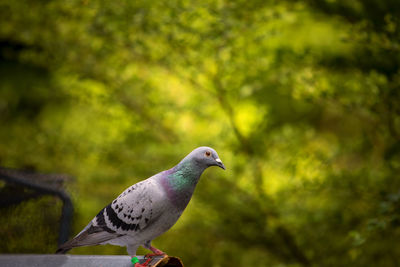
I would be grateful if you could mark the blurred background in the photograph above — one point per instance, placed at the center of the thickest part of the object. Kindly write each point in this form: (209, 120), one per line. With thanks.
(300, 98)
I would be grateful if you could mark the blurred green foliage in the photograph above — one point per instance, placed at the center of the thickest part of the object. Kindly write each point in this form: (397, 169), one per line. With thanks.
(300, 98)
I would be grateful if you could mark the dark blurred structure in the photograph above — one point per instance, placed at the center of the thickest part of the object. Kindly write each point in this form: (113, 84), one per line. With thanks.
(21, 185)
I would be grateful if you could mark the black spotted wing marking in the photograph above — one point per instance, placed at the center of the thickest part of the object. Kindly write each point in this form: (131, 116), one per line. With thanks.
(101, 221)
(131, 211)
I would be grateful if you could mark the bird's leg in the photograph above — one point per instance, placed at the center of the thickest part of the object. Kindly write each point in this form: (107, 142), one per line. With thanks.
(135, 261)
(156, 252)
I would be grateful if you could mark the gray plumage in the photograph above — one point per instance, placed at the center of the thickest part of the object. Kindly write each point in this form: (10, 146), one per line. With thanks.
(147, 209)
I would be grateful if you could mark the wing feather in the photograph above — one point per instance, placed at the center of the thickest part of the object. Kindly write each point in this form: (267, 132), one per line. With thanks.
(130, 212)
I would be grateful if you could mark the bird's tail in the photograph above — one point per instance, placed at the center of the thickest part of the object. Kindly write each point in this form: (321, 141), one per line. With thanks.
(61, 250)
(67, 246)
(91, 235)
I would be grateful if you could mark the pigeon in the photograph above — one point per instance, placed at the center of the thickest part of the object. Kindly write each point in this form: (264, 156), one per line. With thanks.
(148, 208)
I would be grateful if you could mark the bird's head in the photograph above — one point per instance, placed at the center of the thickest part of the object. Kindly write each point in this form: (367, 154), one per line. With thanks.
(206, 157)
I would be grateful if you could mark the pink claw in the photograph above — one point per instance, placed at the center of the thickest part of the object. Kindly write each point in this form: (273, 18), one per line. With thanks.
(156, 252)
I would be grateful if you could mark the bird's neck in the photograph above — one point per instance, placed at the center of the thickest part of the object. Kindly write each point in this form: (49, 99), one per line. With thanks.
(180, 182)
(185, 175)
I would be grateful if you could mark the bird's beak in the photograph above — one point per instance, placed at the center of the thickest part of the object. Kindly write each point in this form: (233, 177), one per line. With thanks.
(220, 164)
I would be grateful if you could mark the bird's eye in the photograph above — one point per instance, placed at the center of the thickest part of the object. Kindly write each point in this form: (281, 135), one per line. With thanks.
(208, 153)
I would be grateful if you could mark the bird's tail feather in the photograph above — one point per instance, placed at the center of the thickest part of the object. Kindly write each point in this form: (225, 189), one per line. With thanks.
(93, 235)
(62, 250)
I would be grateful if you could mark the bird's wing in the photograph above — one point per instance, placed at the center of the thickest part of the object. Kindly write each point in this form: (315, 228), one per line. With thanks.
(130, 212)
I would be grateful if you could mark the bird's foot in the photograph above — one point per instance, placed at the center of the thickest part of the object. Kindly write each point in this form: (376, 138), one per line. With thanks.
(144, 264)
(136, 263)
(156, 252)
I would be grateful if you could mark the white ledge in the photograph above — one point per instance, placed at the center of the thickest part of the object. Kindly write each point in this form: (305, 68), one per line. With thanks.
(43, 260)
(56, 260)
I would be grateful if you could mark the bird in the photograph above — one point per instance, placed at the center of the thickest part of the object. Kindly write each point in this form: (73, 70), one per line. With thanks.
(148, 208)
